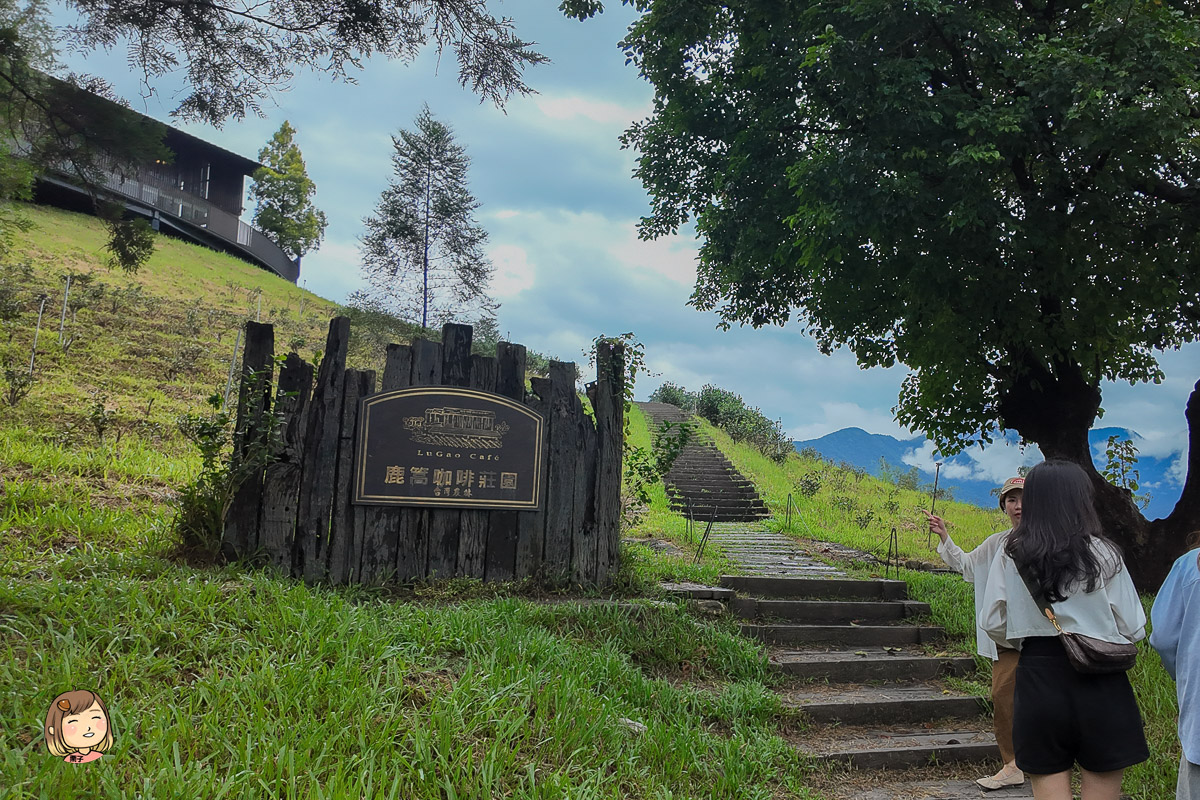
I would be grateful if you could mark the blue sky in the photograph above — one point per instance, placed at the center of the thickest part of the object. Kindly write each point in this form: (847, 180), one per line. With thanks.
(561, 208)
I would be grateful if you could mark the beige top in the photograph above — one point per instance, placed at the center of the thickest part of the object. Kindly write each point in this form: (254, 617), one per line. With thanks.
(1112, 613)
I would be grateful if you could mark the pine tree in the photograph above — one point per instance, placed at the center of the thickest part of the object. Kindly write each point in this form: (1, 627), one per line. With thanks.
(423, 251)
(284, 193)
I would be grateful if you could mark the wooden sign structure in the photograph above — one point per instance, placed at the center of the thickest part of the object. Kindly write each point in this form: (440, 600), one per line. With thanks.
(297, 510)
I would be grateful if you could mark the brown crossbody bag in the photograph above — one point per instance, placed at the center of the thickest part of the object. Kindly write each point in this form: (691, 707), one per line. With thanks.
(1086, 653)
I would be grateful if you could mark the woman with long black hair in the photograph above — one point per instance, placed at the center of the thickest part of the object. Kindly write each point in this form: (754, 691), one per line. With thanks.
(1062, 717)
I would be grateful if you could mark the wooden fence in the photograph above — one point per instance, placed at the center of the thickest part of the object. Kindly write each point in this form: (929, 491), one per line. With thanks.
(294, 455)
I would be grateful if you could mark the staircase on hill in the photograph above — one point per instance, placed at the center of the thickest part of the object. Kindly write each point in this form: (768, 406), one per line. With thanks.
(702, 483)
(866, 673)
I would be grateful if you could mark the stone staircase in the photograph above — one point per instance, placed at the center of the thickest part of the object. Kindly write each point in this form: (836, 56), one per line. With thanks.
(702, 483)
(866, 672)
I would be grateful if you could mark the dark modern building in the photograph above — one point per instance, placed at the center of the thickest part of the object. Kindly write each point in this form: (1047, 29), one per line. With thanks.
(197, 196)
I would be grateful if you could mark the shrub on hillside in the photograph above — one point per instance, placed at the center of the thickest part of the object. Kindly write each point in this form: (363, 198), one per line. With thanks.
(675, 395)
(729, 412)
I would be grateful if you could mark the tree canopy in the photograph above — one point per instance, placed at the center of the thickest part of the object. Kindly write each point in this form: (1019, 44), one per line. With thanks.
(1002, 196)
(236, 54)
(284, 193)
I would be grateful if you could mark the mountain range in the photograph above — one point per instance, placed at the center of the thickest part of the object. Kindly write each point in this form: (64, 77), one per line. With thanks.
(868, 451)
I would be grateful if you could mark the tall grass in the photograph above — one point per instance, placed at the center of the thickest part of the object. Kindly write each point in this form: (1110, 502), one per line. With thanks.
(230, 684)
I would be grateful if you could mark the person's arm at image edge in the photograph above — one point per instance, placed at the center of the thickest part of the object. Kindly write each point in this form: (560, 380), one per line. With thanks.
(1166, 617)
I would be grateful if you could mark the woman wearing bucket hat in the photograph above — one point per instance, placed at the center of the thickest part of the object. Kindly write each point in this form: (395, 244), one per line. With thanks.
(974, 567)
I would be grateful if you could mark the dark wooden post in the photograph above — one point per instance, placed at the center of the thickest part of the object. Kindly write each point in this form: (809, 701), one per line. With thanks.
(281, 482)
(560, 498)
(531, 525)
(426, 371)
(383, 540)
(610, 424)
(343, 558)
(584, 546)
(240, 536)
(472, 543)
(315, 504)
(445, 525)
(502, 525)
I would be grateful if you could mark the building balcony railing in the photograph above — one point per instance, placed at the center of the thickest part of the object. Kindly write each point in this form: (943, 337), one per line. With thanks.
(199, 213)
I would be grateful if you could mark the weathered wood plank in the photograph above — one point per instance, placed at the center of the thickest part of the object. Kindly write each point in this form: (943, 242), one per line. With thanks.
(472, 542)
(445, 525)
(240, 536)
(320, 455)
(281, 480)
(456, 355)
(609, 407)
(426, 363)
(426, 371)
(502, 525)
(583, 549)
(560, 498)
(343, 560)
(379, 546)
(531, 525)
(397, 371)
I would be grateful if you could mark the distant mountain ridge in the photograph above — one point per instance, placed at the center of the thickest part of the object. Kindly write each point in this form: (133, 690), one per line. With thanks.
(864, 450)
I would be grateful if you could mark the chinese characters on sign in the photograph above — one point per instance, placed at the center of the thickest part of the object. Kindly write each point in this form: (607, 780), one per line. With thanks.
(442, 446)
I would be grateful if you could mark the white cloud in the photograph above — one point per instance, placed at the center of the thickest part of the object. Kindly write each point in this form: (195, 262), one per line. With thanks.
(506, 213)
(996, 463)
(514, 274)
(572, 107)
(1177, 472)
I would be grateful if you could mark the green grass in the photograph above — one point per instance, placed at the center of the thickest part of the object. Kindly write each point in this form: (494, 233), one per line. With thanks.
(234, 684)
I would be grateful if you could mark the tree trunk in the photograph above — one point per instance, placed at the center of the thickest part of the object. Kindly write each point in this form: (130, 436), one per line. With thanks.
(1056, 410)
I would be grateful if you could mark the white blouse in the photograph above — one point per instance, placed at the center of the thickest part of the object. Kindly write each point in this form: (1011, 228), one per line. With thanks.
(1112, 613)
(975, 567)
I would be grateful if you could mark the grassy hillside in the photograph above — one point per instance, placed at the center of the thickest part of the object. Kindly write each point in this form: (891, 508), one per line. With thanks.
(226, 682)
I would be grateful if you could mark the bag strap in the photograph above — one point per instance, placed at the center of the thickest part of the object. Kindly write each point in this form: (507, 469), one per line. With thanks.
(1036, 593)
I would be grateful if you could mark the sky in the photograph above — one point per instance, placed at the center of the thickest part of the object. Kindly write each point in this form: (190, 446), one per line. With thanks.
(561, 206)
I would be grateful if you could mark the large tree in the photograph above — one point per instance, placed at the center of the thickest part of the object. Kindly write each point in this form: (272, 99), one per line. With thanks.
(1002, 195)
(284, 193)
(423, 251)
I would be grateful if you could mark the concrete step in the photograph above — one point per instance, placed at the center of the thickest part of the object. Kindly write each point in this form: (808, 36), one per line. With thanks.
(890, 704)
(845, 635)
(952, 789)
(865, 664)
(899, 748)
(842, 588)
(828, 611)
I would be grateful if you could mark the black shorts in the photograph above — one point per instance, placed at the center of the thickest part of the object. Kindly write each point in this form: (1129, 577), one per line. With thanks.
(1062, 717)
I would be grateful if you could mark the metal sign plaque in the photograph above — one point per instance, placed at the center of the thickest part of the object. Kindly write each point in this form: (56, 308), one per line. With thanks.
(447, 447)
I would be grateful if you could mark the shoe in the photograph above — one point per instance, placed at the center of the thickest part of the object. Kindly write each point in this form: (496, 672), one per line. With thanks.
(1009, 776)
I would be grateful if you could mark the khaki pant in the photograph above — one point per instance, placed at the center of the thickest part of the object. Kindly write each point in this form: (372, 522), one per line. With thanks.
(1004, 675)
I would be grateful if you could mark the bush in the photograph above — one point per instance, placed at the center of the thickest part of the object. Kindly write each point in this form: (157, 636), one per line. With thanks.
(675, 395)
(729, 412)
